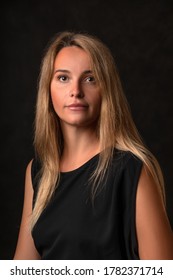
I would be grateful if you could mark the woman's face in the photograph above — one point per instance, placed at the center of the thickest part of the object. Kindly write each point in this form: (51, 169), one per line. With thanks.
(75, 93)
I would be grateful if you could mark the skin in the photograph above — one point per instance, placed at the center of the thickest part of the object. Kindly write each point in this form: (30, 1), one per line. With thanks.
(76, 99)
(154, 233)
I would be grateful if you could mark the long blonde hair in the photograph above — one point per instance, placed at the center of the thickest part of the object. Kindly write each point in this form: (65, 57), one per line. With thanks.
(116, 128)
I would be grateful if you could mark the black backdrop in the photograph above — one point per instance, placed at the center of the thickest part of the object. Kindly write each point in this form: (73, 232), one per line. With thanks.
(140, 35)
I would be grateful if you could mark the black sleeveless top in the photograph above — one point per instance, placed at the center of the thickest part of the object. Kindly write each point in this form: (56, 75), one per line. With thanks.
(72, 227)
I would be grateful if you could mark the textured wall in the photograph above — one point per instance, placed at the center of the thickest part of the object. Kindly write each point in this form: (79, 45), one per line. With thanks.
(139, 33)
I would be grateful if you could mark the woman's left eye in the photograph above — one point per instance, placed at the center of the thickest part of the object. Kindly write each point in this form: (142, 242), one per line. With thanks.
(90, 79)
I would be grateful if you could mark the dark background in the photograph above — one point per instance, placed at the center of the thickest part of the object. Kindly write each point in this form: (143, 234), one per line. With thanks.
(140, 36)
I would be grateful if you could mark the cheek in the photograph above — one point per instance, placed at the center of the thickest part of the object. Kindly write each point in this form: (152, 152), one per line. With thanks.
(56, 100)
(58, 94)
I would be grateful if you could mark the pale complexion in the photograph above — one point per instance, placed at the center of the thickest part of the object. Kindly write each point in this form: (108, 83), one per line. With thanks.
(76, 98)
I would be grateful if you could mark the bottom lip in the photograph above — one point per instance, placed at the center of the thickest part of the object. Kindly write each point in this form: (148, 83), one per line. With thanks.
(79, 107)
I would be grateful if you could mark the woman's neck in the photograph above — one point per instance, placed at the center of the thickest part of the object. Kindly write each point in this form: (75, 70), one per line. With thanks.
(80, 145)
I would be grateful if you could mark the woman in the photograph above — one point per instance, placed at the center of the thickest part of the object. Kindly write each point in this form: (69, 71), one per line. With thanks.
(93, 191)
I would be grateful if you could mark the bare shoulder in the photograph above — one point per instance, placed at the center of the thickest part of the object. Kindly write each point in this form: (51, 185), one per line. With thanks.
(25, 248)
(154, 233)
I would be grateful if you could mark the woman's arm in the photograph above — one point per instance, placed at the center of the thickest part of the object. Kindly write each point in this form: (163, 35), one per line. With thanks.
(154, 233)
(25, 249)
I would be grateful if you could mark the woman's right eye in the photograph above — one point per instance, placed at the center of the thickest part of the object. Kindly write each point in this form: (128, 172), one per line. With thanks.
(62, 78)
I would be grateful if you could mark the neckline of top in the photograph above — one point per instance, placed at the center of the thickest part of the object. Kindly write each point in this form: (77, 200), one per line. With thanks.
(84, 165)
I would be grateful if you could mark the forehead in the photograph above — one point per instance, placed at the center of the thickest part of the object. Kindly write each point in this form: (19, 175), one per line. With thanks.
(72, 56)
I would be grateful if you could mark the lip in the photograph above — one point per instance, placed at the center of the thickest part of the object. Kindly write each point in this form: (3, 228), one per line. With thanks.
(77, 106)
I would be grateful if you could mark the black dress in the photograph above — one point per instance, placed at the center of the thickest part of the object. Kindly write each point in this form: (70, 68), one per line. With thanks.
(72, 228)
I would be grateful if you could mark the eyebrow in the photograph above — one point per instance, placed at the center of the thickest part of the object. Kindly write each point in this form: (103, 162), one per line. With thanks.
(67, 71)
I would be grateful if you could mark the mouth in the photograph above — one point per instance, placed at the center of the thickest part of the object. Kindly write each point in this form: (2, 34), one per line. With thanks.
(77, 106)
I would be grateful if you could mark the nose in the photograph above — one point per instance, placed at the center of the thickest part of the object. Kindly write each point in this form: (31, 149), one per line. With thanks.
(76, 90)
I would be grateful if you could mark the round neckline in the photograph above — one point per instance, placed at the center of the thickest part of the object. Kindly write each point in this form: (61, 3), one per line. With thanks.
(80, 167)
